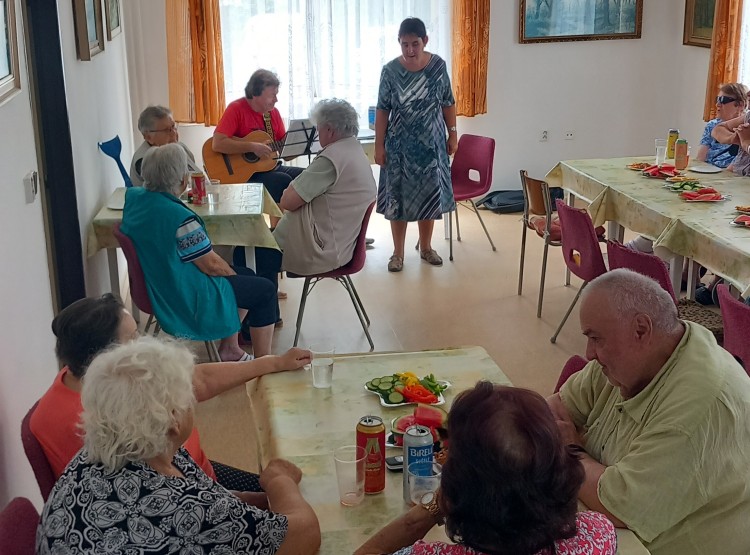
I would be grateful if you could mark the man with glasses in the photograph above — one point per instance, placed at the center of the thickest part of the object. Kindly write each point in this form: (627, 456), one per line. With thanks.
(158, 128)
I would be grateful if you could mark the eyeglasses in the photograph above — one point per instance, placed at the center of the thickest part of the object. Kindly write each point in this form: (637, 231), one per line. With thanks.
(167, 130)
(725, 99)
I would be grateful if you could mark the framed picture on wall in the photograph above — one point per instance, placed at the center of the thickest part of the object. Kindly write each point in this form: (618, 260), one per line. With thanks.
(112, 16)
(10, 79)
(699, 22)
(573, 20)
(87, 16)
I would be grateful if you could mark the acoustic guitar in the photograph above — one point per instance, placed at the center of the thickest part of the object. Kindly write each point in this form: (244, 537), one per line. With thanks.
(238, 168)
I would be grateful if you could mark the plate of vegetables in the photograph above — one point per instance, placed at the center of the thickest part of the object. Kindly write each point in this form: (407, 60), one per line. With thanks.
(406, 388)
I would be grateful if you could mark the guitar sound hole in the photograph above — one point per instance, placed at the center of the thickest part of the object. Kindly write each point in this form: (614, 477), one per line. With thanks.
(250, 157)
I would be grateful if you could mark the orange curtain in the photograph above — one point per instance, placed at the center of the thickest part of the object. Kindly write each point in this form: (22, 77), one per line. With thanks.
(471, 41)
(195, 61)
(723, 66)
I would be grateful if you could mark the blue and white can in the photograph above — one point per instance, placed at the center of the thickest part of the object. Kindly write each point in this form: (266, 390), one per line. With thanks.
(418, 444)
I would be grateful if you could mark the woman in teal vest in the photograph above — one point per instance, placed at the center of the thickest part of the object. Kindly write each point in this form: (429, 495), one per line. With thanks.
(194, 292)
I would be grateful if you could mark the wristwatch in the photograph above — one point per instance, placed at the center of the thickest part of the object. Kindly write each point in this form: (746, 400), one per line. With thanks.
(452, 129)
(429, 502)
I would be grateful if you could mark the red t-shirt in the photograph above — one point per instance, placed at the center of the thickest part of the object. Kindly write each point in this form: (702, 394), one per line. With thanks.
(54, 423)
(240, 119)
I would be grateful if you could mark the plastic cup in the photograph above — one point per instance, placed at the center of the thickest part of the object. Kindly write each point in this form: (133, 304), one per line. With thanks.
(212, 192)
(350, 474)
(322, 365)
(421, 481)
(661, 151)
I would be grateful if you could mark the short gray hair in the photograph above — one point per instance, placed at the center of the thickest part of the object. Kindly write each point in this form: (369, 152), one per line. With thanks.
(164, 167)
(339, 114)
(631, 293)
(150, 116)
(131, 396)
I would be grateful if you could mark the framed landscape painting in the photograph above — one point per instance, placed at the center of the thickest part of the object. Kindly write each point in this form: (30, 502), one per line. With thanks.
(699, 22)
(10, 79)
(112, 17)
(574, 20)
(88, 26)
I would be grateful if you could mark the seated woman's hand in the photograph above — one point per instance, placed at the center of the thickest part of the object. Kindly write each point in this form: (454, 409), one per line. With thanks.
(294, 359)
(278, 468)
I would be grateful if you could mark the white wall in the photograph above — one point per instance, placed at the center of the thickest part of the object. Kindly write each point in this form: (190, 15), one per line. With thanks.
(617, 96)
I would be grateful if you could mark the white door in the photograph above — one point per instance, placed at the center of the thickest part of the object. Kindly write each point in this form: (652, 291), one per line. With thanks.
(27, 362)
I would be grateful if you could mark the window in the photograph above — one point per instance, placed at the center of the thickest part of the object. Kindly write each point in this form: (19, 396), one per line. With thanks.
(322, 48)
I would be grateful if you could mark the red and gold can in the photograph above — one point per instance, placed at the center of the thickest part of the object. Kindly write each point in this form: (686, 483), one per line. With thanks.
(371, 436)
(199, 187)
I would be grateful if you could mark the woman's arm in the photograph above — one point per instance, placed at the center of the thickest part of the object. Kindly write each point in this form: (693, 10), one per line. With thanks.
(702, 153)
(449, 115)
(212, 264)
(280, 481)
(725, 131)
(290, 199)
(402, 532)
(381, 126)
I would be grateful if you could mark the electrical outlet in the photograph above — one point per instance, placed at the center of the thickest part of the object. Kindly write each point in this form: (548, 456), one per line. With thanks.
(543, 136)
(569, 135)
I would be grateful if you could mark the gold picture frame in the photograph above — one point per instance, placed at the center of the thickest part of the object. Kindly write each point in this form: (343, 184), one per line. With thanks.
(113, 17)
(10, 78)
(87, 16)
(699, 22)
(608, 20)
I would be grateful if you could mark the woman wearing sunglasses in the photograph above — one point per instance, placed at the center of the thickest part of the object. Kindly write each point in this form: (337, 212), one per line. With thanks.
(726, 139)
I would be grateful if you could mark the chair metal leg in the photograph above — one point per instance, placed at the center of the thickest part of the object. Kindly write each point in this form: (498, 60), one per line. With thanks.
(458, 227)
(484, 227)
(567, 276)
(349, 286)
(213, 352)
(157, 328)
(570, 309)
(301, 312)
(523, 256)
(148, 323)
(359, 301)
(541, 283)
(450, 233)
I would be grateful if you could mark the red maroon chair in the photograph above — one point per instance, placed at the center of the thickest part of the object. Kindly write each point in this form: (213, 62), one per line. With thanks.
(580, 249)
(474, 153)
(343, 276)
(736, 316)
(43, 473)
(18, 523)
(573, 365)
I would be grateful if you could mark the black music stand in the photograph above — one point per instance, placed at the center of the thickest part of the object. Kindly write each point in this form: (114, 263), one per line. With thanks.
(299, 139)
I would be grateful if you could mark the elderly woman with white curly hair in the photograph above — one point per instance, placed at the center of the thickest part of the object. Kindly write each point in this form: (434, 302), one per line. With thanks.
(194, 292)
(132, 487)
(325, 205)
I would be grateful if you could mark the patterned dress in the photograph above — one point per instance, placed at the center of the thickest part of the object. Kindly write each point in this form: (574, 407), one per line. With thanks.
(135, 510)
(595, 535)
(415, 183)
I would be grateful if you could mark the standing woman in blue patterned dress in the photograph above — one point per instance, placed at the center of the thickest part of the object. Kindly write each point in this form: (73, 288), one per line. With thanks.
(415, 106)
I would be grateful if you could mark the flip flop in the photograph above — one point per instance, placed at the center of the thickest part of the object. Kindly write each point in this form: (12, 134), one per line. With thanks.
(245, 357)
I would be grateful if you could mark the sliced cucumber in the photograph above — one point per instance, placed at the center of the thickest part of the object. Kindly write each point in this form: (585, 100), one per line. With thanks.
(375, 381)
(395, 398)
(385, 386)
(371, 386)
(386, 379)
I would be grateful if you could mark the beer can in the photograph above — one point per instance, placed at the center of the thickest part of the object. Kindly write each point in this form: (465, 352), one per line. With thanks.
(418, 443)
(371, 436)
(674, 134)
(199, 187)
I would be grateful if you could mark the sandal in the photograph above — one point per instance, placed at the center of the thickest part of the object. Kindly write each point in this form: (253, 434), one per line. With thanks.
(432, 257)
(281, 295)
(396, 263)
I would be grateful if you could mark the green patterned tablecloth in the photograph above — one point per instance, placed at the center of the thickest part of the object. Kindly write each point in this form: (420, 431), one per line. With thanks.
(700, 231)
(237, 220)
(304, 424)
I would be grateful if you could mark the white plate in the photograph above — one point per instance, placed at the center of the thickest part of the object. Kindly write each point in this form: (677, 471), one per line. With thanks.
(745, 212)
(735, 224)
(705, 168)
(440, 401)
(722, 199)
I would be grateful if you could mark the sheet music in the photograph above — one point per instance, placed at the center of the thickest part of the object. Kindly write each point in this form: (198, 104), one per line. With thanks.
(301, 137)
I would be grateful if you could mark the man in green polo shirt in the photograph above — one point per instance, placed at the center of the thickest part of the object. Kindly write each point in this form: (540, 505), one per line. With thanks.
(663, 414)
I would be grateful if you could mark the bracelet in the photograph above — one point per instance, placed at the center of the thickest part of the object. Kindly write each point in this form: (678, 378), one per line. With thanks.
(748, 149)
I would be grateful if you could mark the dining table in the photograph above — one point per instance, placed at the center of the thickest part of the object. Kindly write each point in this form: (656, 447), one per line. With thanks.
(237, 219)
(303, 424)
(698, 231)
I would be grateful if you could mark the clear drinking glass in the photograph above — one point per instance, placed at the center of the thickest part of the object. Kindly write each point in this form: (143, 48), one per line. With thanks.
(322, 365)
(661, 151)
(350, 474)
(212, 192)
(421, 481)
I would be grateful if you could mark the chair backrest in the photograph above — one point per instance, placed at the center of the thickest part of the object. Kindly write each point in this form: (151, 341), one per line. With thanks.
(43, 473)
(736, 316)
(360, 250)
(644, 263)
(474, 153)
(536, 196)
(580, 246)
(18, 523)
(573, 365)
(137, 280)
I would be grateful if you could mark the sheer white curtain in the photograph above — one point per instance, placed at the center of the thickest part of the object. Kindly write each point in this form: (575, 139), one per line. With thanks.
(744, 71)
(322, 48)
